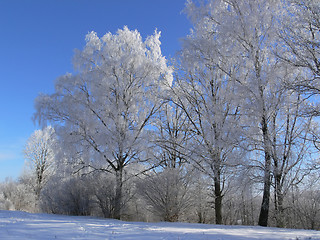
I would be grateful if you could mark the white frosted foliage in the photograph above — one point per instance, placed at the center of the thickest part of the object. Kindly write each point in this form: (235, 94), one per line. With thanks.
(103, 110)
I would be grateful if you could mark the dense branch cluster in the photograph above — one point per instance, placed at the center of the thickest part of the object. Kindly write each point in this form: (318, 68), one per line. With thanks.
(227, 134)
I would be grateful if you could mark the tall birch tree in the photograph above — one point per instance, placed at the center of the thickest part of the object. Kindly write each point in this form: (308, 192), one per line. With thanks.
(103, 111)
(207, 95)
(242, 35)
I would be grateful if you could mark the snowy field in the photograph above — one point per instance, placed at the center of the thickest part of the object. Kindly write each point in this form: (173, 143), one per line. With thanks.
(21, 225)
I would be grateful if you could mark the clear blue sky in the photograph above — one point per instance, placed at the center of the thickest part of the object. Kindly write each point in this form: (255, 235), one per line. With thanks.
(37, 42)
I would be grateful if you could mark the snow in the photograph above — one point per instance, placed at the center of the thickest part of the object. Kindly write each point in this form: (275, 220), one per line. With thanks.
(22, 225)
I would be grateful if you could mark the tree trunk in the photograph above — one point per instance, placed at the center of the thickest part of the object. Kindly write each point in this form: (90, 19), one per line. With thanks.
(279, 202)
(280, 212)
(118, 197)
(218, 198)
(264, 210)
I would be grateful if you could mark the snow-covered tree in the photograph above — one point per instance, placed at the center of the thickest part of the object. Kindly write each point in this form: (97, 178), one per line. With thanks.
(39, 155)
(242, 41)
(102, 113)
(237, 39)
(291, 149)
(206, 90)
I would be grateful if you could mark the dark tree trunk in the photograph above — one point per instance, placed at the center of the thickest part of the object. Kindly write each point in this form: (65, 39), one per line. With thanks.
(118, 197)
(218, 209)
(279, 201)
(280, 211)
(218, 198)
(264, 210)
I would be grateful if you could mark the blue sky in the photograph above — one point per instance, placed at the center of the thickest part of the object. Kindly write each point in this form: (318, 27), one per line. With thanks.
(37, 42)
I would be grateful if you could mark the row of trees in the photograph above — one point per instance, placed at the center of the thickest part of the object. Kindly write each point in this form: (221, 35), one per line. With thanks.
(227, 128)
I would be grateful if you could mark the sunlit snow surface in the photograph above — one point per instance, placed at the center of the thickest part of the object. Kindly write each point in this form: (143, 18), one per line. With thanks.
(21, 225)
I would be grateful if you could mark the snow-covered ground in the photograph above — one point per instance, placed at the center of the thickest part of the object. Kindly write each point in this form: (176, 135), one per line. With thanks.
(21, 225)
